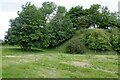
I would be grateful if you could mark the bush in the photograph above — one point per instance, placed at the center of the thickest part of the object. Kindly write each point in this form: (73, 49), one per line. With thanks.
(75, 47)
(115, 39)
(97, 39)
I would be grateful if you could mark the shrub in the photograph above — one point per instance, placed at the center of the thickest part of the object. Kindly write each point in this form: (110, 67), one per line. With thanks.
(75, 47)
(97, 39)
(115, 39)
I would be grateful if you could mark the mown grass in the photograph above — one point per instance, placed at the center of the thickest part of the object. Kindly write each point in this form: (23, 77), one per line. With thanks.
(53, 63)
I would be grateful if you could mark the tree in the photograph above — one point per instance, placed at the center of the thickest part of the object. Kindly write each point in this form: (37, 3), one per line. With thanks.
(96, 16)
(76, 15)
(107, 19)
(60, 27)
(27, 29)
(102, 17)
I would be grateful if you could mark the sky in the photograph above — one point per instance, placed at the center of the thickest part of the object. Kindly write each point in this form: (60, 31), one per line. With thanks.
(9, 8)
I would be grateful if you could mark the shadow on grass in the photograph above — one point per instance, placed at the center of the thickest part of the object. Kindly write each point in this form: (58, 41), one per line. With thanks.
(27, 51)
(105, 52)
(93, 52)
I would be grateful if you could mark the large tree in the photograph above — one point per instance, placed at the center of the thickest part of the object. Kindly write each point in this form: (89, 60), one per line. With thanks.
(60, 27)
(95, 16)
(27, 29)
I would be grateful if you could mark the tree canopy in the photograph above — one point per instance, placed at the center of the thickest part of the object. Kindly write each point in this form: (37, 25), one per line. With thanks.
(50, 25)
(36, 27)
(95, 16)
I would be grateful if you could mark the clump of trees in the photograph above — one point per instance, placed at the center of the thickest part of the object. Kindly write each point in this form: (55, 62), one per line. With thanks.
(46, 26)
(50, 25)
(100, 19)
(96, 16)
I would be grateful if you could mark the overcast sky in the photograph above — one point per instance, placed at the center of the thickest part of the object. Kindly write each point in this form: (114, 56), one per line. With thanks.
(9, 8)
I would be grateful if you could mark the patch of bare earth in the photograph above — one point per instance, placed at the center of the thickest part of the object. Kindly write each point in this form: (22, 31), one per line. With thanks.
(11, 56)
(79, 64)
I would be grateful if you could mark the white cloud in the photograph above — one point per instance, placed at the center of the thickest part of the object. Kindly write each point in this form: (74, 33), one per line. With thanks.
(4, 19)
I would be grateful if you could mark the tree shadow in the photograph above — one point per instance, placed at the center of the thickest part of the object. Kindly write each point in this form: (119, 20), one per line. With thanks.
(99, 52)
(17, 50)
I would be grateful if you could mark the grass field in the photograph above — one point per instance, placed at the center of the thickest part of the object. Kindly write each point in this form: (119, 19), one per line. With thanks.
(53, 63)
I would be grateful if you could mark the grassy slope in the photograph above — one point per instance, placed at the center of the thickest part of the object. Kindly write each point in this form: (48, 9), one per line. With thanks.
(54, 63)
(62, 47)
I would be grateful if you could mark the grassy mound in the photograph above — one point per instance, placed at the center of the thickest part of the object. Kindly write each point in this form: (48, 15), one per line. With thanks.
(101, 44)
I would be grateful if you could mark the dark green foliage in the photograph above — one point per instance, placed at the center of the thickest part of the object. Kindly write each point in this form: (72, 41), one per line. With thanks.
(25, 30)
(78, 16)
(60, 27)
(50, 25)
(75, 47)
(83, 22)
(107, 19)
(100, 39)
(95, 16)
(115, 39)
(97, 39)
(36, 27)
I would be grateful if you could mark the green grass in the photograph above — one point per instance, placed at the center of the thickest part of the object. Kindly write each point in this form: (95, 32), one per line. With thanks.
(0, 61)
(54, 63)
